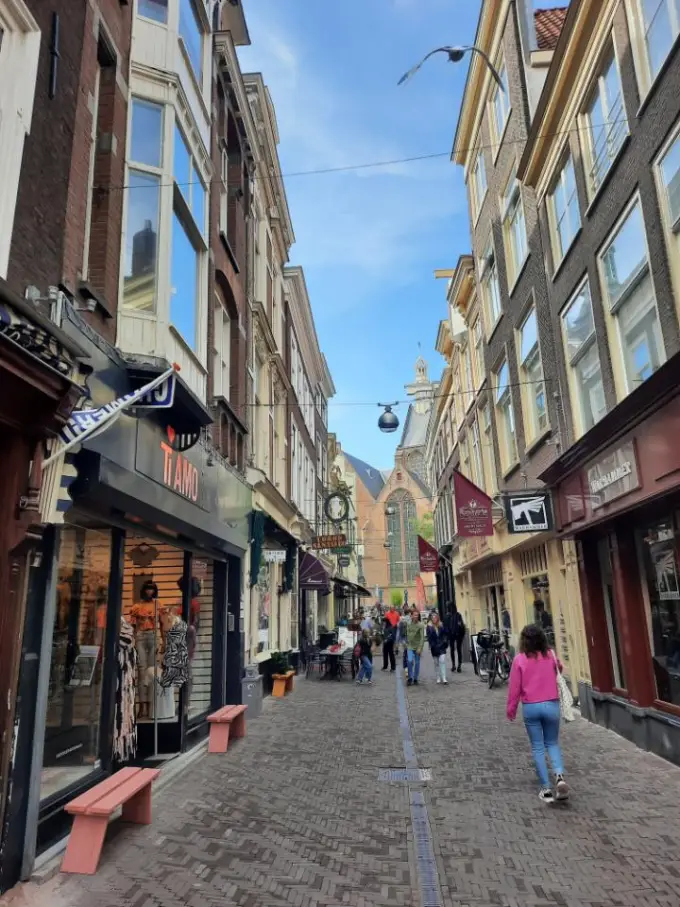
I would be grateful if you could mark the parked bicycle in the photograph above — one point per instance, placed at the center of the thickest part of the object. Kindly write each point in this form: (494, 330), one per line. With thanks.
(494, 659)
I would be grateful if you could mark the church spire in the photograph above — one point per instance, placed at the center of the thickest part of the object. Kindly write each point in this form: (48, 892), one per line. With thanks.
(421, 388)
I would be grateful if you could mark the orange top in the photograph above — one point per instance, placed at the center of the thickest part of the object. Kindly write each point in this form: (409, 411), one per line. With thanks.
(144, 616)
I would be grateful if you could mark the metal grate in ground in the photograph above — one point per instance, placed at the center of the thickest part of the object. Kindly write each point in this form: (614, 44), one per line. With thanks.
(408, 775)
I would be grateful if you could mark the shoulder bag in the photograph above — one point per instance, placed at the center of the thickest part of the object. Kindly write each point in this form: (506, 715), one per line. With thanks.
(566, 699)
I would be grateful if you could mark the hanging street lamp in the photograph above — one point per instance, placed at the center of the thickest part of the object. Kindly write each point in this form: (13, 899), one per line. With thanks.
(388, 422)
(455, 55)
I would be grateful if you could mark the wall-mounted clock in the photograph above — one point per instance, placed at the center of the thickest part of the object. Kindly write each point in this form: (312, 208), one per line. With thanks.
(336, 507)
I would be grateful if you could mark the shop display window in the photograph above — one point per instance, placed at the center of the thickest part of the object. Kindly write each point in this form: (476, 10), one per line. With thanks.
(72, 734)
(662, 573)
(538, 605)
(607, 574)
(264, 606)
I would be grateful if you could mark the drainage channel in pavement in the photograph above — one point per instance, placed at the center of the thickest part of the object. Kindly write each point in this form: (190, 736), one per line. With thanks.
(426, 862)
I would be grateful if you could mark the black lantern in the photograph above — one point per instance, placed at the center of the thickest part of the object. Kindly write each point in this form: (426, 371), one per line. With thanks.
(388, 422)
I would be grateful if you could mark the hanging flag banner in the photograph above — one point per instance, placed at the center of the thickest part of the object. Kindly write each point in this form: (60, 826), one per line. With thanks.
(428, 556)
(473, 508)
(88, 423)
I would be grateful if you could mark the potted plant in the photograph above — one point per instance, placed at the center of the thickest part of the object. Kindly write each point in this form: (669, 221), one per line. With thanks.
(281, 674)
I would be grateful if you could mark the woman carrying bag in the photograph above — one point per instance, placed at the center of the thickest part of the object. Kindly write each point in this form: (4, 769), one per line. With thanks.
(536, 679)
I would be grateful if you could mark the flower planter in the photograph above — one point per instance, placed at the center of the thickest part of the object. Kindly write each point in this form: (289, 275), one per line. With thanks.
(283, 684)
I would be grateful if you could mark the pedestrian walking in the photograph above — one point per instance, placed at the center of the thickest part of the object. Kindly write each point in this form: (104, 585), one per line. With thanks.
(402, 630)
(365, 658)
(415, 640)
(390, 634)
(533, 680)
(438, 640)
(457, 630)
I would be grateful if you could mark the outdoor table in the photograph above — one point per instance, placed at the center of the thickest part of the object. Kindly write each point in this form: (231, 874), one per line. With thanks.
(333, 660)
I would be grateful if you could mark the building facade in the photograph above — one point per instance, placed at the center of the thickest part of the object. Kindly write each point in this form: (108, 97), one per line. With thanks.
(603, 159)
(506, 403)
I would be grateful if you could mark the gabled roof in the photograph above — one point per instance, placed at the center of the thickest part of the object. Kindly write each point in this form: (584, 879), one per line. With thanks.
(369, 475)
(549, 24)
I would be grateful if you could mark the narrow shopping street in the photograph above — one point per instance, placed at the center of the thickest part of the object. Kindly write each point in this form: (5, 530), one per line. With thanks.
(296, 814)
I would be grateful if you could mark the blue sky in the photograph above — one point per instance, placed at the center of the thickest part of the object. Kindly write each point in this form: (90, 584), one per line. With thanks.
(368, 239)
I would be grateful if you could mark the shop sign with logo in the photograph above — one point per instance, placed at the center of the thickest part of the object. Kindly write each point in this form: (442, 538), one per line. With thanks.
(182, 472)
(344, 560)
(275, 555)
(529, 512)
(34, 339)
(329, 541)
(613, 476)
(473, 508)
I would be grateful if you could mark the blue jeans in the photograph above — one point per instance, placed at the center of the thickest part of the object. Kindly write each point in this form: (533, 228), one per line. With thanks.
(542, 721)
(413, 664)
(366, 669)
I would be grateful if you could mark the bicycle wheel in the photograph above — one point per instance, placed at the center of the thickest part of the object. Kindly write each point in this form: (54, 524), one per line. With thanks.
(483, 665)
(504, 665)
(493, 669)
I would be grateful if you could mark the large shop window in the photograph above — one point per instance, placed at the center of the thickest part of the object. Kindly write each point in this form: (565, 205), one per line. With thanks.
(534, 571)
(72, 734)
(264, 606)
(662, 569)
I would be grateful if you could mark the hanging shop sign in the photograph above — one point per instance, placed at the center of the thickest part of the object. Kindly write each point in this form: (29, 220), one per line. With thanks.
(329, 541)
(529, 512)
(275, 556)
(473, 508)
(427, 556)
(613, 476)
(88, 423)
(344, 560)
(336, 507)
(343, 549)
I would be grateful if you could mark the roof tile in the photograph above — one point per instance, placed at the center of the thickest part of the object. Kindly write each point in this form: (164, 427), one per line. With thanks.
(549, 24)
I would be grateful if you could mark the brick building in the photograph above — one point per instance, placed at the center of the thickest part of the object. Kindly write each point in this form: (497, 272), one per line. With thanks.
(603, 159)
(511, 402)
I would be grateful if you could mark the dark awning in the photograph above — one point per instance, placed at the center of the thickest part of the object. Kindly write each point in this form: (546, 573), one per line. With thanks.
(355, 588)
(313, 574)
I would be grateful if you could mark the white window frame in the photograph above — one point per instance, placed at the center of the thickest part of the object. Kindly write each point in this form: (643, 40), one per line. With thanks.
(506, 424)
(514, 223)
(502, 96)
(489, 274)
(670, 224)
(221, 350)
(615, 117)
(560, 184)
(613, 308)
(528, 363)
(224, 190)
(477, 457)
(573, 359)
(479, 187)
(639, 31)
(486, 414)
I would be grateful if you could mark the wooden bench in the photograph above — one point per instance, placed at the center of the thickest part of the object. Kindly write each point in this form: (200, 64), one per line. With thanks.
(232, 719)
(283, 683)
(129, 788)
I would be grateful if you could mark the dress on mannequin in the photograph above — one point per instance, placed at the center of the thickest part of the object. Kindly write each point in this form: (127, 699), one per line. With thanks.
(125, 727)
(176, 657)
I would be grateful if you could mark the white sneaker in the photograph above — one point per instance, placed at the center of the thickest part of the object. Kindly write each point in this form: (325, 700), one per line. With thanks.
(546, 795)
(561, 788)
(445, 681)
(439, 680)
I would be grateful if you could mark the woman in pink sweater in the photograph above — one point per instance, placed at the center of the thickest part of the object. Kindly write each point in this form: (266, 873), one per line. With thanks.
(533, 680)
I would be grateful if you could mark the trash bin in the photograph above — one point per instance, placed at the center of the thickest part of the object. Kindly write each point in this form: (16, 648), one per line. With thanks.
(251, 691)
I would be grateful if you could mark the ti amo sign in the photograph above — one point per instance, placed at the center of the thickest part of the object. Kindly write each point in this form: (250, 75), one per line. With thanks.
(182, 472)
(179, 473)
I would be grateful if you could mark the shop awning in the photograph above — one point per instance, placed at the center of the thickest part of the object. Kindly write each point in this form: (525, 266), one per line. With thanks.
(313, 574)
(353, 588)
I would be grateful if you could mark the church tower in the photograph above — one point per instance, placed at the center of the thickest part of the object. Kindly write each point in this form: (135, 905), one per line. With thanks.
(421, 389)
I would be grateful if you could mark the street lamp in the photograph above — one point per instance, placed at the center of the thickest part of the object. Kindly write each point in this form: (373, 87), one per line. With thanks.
(388, 422)
(455, 55)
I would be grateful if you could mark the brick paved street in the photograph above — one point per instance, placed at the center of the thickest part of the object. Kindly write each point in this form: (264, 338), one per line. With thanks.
(295, 815)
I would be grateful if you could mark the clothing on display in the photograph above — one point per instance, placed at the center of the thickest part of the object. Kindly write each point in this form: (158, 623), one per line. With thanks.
(143, 616)
(146, 658)
(176, 656)
(125, 727)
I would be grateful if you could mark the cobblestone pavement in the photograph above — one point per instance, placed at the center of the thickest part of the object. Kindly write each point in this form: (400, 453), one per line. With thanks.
(294, 814)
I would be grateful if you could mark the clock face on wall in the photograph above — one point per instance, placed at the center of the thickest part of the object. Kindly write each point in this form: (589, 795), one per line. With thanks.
(337, 507)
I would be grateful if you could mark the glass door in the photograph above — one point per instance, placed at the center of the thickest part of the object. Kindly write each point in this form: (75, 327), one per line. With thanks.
(604, 550)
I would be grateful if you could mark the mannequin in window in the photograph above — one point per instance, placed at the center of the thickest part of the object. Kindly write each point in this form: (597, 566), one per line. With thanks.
(144, 619)
(176, 655)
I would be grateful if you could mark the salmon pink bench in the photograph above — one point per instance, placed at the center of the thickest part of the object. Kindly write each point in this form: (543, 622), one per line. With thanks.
(129, 788)
(230, 718)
